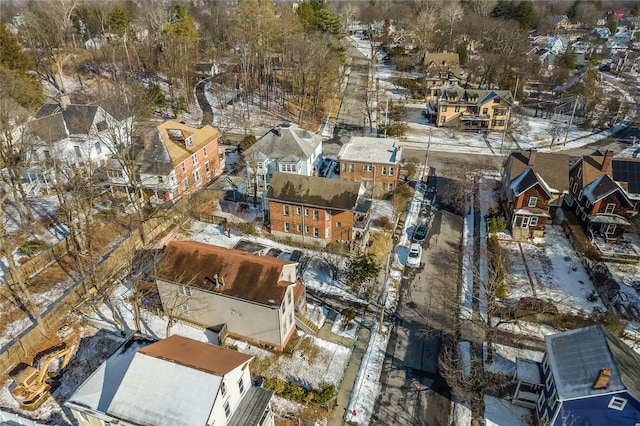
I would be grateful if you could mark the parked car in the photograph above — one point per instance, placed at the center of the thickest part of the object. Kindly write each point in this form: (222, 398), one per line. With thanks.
(415, 254)
(420, 234)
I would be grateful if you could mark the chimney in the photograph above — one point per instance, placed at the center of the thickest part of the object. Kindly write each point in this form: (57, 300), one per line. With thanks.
(532, 157)
(602, 380)
(65, 101)
(606, 161)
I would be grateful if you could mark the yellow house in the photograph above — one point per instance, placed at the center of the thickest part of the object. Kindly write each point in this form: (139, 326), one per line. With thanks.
(472, 109)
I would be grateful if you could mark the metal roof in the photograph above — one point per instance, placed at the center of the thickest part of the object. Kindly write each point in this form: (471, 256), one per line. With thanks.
(251, 408)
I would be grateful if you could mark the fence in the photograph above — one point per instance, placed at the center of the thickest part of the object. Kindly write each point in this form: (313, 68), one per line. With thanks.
(27, 343)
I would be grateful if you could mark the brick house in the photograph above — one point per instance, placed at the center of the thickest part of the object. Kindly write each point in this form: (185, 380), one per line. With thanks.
(316, 210)
(256, 297)
(373, 161)
(604, 193)
(533, 187)
(472, 109)
(179, 159)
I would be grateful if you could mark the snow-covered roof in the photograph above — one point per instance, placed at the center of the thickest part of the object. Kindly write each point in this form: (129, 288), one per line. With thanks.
(285, 140)
(371, 150)
(528, 371)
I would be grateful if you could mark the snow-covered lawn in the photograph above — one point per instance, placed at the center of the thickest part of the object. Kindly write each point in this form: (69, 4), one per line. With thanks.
(504, 358)
(556, 271)
(349, 331)
(500, 412)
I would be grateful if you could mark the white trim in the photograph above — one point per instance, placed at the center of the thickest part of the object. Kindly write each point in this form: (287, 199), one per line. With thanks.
(617, 403)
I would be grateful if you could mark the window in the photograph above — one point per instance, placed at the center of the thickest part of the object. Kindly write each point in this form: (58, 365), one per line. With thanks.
(47, 154)
(344, 167)
(327, 215)
(298, 227)
(533, 221)
(443, 119)
(549, 382)
(367, 168)
(485, 111)
(580, 196)
(351, 167)
(338, 224)
(496, 100)
(384, 186)
(194, 158)
(316, 232)
(327, 232)
(391, 171)
(160, 179)
(98, 148)
(285, 211)
(588, 204)
(196, 175)
(306, 229)
(188, 142)
(575, 188)
(306, 212)
(533, 201)
(444, 108)
(241, 385)
(227, 409)
(316, 214)
(525, 222)
(384, 170)
(204, 151)
(580, 172)
(390, 187)
(545, 365)
(207, 167)
(76, 149)
(540, 401)
(290, 297)
(185, 310)
(570, 181)
(457, 108)
(184, 290)
(223, 389)
(610, 229)
(545, 418)
(610, 208)
(617, 403)
(287, 227)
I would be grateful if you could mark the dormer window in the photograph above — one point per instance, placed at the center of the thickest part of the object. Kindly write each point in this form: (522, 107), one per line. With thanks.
(188, 142)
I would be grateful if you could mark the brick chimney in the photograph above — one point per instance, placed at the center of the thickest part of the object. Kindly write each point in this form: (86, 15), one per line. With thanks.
(606, 161)
(602, 380)
(532, 157)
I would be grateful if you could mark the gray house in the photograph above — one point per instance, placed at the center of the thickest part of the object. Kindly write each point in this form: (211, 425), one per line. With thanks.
(287, 149)
(256, 297)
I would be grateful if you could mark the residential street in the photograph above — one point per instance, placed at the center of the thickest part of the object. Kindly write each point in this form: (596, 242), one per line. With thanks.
(412, 392)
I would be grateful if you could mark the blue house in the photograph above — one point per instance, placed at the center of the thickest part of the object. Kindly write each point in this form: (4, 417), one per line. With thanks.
(590, 378)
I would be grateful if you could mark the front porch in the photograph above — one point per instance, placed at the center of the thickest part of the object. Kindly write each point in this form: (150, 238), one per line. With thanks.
(527, 223)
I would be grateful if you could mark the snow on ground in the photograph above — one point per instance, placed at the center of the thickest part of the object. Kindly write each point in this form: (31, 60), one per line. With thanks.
(529, 329)
(556, 270)
(466, 293)
(461, 413)
(500, 412)
(288, 409)
(504, 358)
(316, 314)
(349, 331)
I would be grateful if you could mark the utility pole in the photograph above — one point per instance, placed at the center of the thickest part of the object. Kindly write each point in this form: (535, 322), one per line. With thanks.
(575, 104)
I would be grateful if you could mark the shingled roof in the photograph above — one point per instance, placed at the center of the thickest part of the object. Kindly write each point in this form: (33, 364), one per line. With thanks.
(240, 274)
(286, 140)
(624, 171)
(314, 191)
(577, 356)
(552, 168)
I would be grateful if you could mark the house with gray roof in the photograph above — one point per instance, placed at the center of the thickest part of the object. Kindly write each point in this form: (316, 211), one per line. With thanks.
(533, 187)
(286, 148)
(172, 382)
(315, 210)
(590, 377)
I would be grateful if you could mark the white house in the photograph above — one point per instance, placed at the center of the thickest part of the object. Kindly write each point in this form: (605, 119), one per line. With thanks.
(286, 148)
(172, 382)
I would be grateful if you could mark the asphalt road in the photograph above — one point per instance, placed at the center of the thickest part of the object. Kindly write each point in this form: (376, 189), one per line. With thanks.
(412, 391)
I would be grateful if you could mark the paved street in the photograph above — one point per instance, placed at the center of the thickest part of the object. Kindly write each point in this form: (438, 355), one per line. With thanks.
(412, 392)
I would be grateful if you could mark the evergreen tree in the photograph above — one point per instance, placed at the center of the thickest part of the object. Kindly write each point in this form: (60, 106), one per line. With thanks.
(17, 82)
(118, 21)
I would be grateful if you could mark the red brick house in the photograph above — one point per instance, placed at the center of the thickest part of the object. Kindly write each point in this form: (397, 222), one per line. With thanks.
(533, 186)
(179, 159)
(317, 210)
(604, 193)
(373, 161)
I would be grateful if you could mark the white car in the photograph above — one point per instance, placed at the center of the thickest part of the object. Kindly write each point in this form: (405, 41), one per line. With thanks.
(415, 254)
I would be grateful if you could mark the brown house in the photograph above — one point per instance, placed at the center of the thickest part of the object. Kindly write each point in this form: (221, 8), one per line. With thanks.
(441, 69)
(317, 210)
(373, 161)
(604, 193)
(256, 297)
(533, 186)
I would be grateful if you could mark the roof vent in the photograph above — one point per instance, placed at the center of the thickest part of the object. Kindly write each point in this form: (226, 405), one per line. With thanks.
(602, 380)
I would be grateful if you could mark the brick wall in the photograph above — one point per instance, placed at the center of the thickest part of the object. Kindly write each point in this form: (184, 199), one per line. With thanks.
(188, 167)
(381, 174)
(300, 217)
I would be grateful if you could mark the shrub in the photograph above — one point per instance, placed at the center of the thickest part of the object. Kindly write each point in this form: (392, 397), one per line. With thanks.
(106, 215)
(610, 320)
(290, 390)
(248, 228)
(348, 315)
(496, 224)
(31, 247)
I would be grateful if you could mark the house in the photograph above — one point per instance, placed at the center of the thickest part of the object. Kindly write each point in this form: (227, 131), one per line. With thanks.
(171, 382)
(604, 193)
(74, 135)
(533, 187)
(255, 296)
(472, 109)
(179, 159)
(441, 69)
(562, 23)
(590, 377)
(373, 161)
(287, 149)
(601, 32)
(316, 210)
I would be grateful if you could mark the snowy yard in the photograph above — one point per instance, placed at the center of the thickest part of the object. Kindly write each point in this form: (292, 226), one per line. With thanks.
(500, 412)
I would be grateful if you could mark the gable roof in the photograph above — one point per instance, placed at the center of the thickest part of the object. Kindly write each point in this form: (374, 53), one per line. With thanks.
(577, 356)
(603, 186)
(170, 382)
(528, 180)
(165, 148)
(435, 62)
(241, 275)
(340, 194)
(458, 95)
(364, 149)
(550, 168)
(286, 140)
(624, 171)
